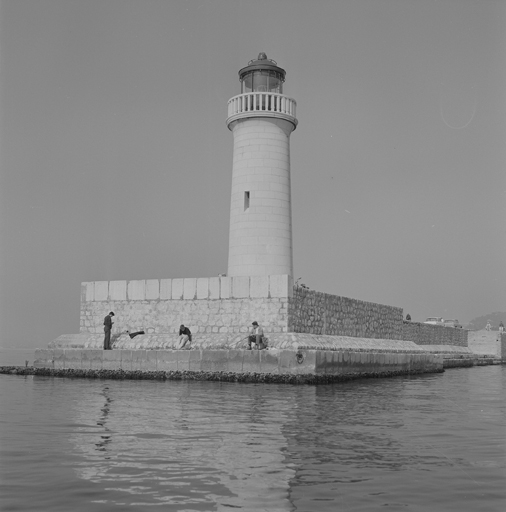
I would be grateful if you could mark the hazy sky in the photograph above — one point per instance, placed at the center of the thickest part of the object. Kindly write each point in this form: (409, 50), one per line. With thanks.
(116, 161)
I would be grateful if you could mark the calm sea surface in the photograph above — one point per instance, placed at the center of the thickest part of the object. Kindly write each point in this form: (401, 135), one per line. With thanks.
(427, 443)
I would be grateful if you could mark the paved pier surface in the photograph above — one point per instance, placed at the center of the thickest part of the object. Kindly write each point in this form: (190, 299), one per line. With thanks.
(279, 341)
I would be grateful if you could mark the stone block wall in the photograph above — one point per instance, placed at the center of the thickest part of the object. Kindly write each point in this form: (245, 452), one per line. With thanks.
(427, 334)
(320, 313)
(483, 342)
(210, 305)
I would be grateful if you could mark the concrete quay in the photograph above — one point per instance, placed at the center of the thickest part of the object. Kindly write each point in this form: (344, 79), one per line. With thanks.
(291, 358)
(318, 358)
(459, 357)
(273, 365)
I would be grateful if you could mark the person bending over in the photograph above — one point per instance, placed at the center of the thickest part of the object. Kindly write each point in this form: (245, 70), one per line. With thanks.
(185, 336)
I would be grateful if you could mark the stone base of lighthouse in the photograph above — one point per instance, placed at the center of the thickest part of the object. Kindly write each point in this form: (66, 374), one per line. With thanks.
(307, 331)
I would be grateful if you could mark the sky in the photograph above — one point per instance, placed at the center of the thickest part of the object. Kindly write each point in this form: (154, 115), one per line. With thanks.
(116, 162)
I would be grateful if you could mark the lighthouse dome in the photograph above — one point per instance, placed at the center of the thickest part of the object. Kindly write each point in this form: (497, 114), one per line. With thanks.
(262, 75)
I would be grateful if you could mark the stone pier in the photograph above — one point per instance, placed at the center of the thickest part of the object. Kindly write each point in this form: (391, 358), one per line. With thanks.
(309, 333)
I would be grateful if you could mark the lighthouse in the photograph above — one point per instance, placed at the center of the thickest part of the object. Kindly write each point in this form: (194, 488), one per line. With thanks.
(309, 333)
(261, 120)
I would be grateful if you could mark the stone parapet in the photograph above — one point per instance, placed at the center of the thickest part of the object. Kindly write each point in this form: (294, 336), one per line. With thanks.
(190, 288)
(261, 104)
(321, 313)
(427, 334)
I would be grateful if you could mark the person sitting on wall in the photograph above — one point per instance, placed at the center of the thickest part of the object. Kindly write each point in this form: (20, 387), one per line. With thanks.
(408, 317)
(107, 330)
(501, 327)
(256, 336)
(185, 336)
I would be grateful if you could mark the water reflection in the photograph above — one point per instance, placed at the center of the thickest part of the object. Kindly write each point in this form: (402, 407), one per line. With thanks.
(105, 438)
(212, 446)
(202, 447)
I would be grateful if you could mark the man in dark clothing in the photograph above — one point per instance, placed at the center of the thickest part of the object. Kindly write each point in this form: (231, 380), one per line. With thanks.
(107, 330)
(185, 336)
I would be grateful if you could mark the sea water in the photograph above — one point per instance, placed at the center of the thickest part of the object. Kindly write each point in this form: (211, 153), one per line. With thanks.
(434, 442)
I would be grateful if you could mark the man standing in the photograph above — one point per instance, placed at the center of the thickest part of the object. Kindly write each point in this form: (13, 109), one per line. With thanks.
(185, 336)
(256, 336)
(107, 330)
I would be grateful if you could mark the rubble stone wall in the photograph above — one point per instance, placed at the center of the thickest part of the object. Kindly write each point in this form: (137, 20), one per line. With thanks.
(427, 334)
(314, 312)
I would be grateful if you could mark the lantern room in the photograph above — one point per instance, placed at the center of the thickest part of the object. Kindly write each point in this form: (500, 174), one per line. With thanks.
(262, 75)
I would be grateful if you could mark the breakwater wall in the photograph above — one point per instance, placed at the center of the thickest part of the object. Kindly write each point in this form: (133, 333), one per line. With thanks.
(427, 334)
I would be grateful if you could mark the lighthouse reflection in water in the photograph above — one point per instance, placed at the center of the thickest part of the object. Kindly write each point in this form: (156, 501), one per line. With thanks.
(433, 442)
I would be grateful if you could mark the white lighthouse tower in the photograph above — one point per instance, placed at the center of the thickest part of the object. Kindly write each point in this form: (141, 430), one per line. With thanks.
(261, 119)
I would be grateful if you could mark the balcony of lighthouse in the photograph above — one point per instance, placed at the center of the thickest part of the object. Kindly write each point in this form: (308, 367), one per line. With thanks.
(261, 104)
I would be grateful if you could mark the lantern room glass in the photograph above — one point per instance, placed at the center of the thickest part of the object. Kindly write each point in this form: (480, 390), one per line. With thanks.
(262, 81)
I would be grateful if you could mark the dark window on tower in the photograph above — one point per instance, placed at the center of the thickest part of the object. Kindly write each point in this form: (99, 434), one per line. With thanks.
(246, 200)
